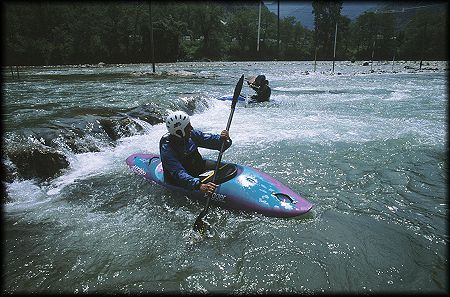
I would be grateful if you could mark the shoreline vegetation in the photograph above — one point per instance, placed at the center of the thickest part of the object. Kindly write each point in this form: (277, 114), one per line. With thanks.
(86, 33)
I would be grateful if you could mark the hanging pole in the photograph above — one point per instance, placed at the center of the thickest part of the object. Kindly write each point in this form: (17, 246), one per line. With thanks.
(278, 38)
(315, 48)
(422, 46)
(334, 51)
(134, 33)
(259, 27)
(315, 59)
(373, 51)
(152, 51)
(395, 51)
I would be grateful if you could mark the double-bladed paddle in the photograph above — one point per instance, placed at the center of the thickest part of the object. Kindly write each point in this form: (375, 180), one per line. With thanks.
(199, 225)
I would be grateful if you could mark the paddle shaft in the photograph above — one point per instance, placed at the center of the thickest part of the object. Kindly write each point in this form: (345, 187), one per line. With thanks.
(237, 91)
(219, 159)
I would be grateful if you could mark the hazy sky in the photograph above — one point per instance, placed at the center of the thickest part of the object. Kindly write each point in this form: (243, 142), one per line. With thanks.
(302, 10)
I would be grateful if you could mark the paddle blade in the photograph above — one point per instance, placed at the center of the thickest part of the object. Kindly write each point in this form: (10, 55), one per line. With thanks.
(237, 91)
(200, 226)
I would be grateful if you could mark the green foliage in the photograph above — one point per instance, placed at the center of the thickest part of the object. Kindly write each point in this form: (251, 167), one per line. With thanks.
(49, 33)
(374, 33)
(296, 42)
(425, 34)
(326, 15)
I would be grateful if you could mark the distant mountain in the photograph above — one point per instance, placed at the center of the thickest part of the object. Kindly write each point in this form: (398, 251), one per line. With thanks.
(302, 10)
(404, 11)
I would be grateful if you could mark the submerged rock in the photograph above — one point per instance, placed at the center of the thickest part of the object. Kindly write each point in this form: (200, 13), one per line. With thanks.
(148, 112)
(41, 163)
(42, 152)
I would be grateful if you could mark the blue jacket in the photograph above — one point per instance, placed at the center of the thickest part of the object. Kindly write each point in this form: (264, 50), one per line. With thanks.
(181, 160)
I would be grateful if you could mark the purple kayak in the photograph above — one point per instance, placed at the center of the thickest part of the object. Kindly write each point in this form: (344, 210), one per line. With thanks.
(239, 187)
(230, 98)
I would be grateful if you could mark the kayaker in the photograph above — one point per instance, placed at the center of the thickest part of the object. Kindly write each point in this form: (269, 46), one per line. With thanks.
(181, 160)
(261, 86)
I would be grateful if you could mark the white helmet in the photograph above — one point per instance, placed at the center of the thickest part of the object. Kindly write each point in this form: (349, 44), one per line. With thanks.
(176, 122)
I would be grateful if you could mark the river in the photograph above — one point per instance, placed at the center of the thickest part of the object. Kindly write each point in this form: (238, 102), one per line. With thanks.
(367, 148)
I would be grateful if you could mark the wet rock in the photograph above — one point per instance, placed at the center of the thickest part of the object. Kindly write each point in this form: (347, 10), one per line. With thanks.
(41, 163)
(109, 127)
(9, 171)
(191, 104)
(117, 128)
(41, 152)
(5, 197)
(148, 112)
(71, 138)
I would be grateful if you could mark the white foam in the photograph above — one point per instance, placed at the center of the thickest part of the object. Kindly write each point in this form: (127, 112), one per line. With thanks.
(24, 195)
(318, 117)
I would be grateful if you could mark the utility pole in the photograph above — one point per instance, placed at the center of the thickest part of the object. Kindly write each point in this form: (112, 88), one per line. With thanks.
(373, 52)
(259, 26)
(12, 71)
(377, 36)
(278, 43)
(334, 51)
(395, 51)
(315, 48)
(315, 59)
(152, 51)
(422, 45)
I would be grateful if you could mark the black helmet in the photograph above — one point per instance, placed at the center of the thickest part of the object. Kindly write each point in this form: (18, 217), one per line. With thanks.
(259, 80)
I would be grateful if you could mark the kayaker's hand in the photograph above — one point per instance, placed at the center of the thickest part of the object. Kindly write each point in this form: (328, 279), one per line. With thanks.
(224, 135)
(208, 188)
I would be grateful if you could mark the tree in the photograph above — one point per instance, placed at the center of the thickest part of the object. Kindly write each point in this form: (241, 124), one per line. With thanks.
(425, 37)
(268, 47)
(49, 33)
(208, 28)
(242, 33)
(373, 32)
(295, 40)
(343, 47)
(326, 14)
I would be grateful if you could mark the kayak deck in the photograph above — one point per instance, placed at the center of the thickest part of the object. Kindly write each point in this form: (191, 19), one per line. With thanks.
(243, 188)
